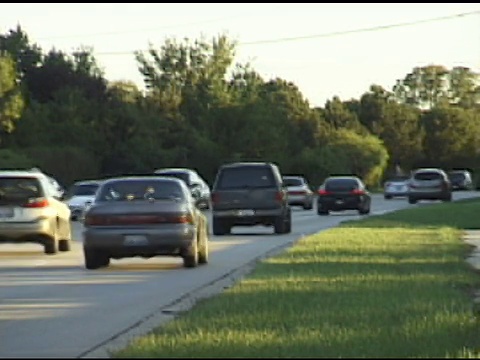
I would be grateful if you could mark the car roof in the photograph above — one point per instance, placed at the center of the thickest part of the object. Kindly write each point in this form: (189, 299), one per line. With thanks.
(88, 182)
(164, 170)
(142, 178)
(428, 170)
(293, 177)
(22, 173)
(343, 177)
(247, 163)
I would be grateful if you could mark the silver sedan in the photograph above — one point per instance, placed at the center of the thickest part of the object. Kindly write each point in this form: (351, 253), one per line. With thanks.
(146, 217)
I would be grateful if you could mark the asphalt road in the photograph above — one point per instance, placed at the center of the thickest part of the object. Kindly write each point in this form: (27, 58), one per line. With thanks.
(52, 307)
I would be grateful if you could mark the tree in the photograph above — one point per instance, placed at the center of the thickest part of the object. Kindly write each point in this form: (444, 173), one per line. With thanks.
(11, 101)
(432, 85)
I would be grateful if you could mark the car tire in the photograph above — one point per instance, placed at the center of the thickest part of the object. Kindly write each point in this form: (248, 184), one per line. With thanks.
(364, 211)
(64, 245)
(191, 257)
(280, 225)
(220, 227)
(308, 206)
(203, 255)
(448, 198)
(95, 259)
(412, 200)
(387, 197)
(321, 211)
(288, 225)
(50, 246)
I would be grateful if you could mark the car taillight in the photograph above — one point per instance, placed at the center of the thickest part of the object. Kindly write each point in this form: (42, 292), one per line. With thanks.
(279, 196)
(215, 198)
(95, 220)
(358, 192)
(323, 192)
(182, 219)
(36, 203)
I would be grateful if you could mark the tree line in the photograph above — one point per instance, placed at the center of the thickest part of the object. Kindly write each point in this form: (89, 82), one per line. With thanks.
(202, 109)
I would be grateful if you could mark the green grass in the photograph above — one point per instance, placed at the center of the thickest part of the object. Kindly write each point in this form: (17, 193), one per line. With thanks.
(394, 285)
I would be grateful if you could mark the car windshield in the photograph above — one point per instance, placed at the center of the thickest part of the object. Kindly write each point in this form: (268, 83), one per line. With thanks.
(129, 190)
(292, 181)
(341, 185)
(246, 177)
(83, 190)
(19, 189)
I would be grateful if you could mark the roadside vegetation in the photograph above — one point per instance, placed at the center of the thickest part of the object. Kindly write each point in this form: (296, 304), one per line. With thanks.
(199, 108)
(395, 285)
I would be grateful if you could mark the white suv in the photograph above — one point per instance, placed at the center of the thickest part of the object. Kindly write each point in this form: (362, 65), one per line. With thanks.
(31, 211)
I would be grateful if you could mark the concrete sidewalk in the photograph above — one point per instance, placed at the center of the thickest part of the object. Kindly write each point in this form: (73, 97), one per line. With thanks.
(472, 237)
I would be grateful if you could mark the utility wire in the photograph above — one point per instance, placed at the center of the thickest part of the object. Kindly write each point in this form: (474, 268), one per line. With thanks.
(331, 34)
(143, 30)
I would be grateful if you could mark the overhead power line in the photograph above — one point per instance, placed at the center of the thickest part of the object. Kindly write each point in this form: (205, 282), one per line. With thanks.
(374, 28)
(329, 34)
(140, 30)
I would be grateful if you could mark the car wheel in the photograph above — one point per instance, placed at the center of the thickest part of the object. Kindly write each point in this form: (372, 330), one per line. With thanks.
(321, 211)
(50, 246)
(203, 255)
(280, 225)
(387, 197)
(95, 259)
(448, 198)
(220, 227)
(64, 245)
(412, 200)
(308, 206)
(190, 259)
(288, 225)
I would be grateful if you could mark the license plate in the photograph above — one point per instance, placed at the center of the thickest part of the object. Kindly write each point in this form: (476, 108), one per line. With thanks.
(6, 212)
(135, 240)
(339, 202)
(245, 212)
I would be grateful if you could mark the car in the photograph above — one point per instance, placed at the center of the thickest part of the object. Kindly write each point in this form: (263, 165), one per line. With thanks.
(31, 211)
(144, 216)
(79, 195)
(249, 194)
(340, 193)
(299, 193)
(460, 179)
(396, 186)
(197, 185)
(429, 184)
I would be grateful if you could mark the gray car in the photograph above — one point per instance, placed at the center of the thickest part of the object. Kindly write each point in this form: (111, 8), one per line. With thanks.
(429, 184)
(249, 194)
(144, 216)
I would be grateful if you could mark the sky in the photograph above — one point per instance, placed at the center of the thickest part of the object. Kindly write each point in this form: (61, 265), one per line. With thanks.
(320, 63)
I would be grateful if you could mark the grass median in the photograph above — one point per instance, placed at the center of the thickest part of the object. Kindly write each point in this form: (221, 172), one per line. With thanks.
(395, 285)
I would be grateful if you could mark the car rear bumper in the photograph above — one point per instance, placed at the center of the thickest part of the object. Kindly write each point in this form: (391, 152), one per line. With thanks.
(26, 231)
(299, 199)
(429, 195)
(119, 242)
(353, 203)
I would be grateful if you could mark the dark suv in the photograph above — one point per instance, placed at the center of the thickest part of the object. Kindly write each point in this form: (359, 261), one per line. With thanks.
(249, 194)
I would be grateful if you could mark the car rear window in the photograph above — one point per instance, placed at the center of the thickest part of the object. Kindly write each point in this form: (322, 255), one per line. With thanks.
(127, 190)
(341, 184)
(398, 179)
(83, 190)
(245, 178)
(292, 181)
(178, 175)
(19, 189)
(425, 176)
(457, 176)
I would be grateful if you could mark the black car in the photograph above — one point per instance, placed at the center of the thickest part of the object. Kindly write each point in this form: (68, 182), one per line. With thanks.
(339, 193)
(248, 194)
(197, 185)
